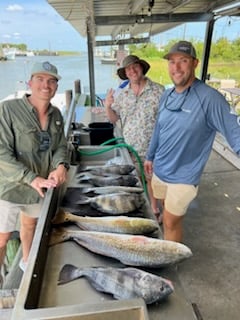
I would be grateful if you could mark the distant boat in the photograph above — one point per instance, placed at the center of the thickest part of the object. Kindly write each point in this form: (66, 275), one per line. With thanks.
(9, 53)
(20, 53)
(108, 60)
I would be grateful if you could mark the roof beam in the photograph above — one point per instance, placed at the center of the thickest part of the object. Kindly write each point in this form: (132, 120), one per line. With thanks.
(101, 43)
(154, 18)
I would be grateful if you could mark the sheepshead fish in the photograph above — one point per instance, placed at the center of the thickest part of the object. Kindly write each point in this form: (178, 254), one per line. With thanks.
(100, 181)
(114, 203)
(111, 189)
(110, 169)
(119, 224)
(133, 250)
(122, 283)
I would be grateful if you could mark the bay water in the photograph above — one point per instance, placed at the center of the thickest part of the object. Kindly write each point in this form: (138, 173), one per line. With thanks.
(15, 74)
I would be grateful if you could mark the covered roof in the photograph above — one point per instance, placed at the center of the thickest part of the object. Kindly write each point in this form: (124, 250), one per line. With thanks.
(129, 19)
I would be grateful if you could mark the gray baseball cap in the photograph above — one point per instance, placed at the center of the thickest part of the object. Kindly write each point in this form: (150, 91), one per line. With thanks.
(45, 67)
(184, 47)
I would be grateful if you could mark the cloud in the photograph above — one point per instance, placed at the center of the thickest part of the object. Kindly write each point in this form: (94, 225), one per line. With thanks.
(14, 7)
(7, 36)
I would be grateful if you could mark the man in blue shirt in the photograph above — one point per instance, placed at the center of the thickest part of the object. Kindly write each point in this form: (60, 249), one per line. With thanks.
(189, 116)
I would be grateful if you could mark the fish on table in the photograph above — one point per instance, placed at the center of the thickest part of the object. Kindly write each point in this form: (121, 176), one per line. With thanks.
(132, 250)
(119, 224)
(107, 169)
(113, 203)
(110, 189)
(122, 283)
(128, 180)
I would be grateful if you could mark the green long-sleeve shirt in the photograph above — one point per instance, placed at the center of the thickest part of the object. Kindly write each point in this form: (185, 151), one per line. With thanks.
(20, 158)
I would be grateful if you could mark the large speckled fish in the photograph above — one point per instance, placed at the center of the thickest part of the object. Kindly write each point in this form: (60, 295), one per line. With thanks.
(125, 283)
(114, 203)
(130, 250)
(119, 224)
(109, 169)
(103, 181)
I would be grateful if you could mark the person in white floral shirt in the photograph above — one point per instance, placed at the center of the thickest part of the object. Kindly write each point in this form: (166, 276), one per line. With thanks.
(136, 106)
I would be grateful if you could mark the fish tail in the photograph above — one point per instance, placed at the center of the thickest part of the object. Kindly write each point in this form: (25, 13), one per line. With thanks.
(57, 236)
(68, 273)
(60, 217)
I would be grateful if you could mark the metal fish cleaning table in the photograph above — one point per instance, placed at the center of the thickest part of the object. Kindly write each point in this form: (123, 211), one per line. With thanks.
(40, 297)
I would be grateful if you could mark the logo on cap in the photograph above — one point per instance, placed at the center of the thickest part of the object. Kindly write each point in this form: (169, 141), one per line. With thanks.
(47, 66)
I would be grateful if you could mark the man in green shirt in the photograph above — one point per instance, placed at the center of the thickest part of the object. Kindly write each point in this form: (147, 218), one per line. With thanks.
(33, 156)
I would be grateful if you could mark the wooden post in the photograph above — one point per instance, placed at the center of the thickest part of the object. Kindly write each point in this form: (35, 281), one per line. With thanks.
(69, 95)
(77, 86)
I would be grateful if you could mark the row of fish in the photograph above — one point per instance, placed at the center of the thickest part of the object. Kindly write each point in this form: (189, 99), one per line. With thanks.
(122, 283)
(116, 236)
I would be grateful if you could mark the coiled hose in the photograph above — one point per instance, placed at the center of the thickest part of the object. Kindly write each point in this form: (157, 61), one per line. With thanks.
(120, 145)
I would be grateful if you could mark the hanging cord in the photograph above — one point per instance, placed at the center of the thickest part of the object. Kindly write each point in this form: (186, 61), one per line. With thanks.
(120, 145)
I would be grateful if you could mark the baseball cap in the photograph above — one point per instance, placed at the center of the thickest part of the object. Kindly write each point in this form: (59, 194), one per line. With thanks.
(184, 47)
(45, 67)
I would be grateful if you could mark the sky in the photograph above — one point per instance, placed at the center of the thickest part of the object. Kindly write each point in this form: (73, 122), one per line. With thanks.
(37, 24)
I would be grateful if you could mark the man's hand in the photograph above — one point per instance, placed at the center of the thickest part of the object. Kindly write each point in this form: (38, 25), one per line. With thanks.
(58, 175)
(148, 167)
(109, 98)
(40, 183)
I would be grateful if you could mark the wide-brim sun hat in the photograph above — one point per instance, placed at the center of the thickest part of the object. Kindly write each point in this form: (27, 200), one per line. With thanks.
(45, 68)
(183, 47)
(130, 60)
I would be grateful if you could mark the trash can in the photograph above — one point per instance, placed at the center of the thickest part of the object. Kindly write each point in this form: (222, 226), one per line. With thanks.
(100, 132)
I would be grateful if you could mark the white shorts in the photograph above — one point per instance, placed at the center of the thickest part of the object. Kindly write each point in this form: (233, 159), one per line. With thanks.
(177, 197)
(9, 214)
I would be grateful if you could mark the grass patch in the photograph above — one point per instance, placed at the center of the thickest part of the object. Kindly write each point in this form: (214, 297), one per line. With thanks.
(217, 69)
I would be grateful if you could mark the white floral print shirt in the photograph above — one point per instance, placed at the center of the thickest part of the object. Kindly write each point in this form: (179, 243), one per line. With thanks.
(138, 114)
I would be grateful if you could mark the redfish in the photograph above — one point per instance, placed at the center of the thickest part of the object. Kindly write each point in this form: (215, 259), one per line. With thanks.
(119, 224)
(132, 250)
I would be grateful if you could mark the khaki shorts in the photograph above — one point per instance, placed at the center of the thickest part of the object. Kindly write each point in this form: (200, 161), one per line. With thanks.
(9, 214)
(177, 197)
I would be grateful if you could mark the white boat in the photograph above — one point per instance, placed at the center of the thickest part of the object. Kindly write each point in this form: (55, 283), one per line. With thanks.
(9, 53)
(108, 60)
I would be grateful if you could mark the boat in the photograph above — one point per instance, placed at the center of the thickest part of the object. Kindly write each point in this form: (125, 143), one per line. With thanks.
(9, 53)
(108, 60)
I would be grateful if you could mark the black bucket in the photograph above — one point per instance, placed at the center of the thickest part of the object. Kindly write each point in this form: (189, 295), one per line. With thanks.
(100, 132)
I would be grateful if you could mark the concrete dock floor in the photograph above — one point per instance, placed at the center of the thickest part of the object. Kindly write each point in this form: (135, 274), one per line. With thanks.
(211, 278)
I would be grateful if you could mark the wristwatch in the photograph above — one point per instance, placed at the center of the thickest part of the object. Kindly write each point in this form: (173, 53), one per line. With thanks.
(65, 164)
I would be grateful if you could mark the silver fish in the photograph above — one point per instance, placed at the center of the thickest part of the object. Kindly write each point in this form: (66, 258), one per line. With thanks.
(99, 181)
(120, 224)
(110, 169)
(122, 283)
(111, 189)
(129, 249)
(114, 203)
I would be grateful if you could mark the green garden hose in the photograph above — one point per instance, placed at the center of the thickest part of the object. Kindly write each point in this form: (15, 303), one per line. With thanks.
(120, 145)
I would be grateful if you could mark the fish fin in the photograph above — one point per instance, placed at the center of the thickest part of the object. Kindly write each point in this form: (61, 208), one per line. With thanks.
(85, 190)
(68, 273)
(82, 168)
(82, 200)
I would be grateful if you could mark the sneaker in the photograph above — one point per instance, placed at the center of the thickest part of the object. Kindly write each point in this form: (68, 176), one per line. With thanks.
(22, 265)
